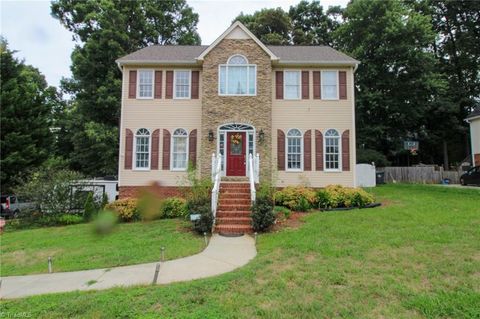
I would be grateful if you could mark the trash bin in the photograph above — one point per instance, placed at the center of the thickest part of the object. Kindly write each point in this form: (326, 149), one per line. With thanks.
(380, 177)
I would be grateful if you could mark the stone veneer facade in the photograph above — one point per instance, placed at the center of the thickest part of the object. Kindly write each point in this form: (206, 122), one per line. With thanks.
(253, 110)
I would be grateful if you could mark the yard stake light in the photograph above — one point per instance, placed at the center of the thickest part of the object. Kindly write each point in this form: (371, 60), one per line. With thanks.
(50, 265)
(155, 277)
(205, 237)
(163, 253)
(256, 237)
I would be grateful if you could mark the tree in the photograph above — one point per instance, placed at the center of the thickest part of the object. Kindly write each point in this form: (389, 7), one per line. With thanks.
(271, 26)
(27, 102)
(107, 30)
(398, 82)
(457, 48)
(310, 25)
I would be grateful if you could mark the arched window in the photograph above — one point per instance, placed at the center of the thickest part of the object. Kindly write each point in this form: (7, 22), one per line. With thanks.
(332, 150)
(294, 150)
(237, 77)
(179, 149)
(142, 149)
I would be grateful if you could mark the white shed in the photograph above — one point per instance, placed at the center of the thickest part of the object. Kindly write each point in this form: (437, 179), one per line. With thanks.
(474, 120)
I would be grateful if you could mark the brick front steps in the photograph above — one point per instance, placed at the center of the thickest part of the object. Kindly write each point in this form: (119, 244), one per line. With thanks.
(233, 214)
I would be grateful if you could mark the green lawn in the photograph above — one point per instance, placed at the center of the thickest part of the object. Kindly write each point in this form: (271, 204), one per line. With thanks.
(418, 256)
(76, 247)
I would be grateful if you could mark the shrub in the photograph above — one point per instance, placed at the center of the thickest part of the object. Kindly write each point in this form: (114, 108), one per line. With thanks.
(283, 211)
(50, 189)
(69, 219)
(205, 222)
(105, 222)
(296, 198)
(173, 207)
(262, 213)
(368, 156)
(90, 210)
(126, 209)
(104, 201)
(334, 196)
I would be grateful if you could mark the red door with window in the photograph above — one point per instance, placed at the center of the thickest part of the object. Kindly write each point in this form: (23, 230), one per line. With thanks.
(236, 155)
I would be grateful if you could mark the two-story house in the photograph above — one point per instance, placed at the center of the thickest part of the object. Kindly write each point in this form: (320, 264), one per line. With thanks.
(292, 105)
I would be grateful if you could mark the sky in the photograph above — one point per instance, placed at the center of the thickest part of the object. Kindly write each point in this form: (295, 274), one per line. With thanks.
(43, 42)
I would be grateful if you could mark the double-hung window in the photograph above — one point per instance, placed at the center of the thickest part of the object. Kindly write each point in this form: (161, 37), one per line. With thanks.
(179, 149)
(145, 84)
(142, 149)
(237, 77)
(292, 84)
(294, 150)
(329, 85)
(182, 84)
(332, 150)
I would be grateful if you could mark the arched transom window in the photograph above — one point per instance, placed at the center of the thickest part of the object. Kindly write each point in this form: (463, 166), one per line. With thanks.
(332, 150)
(179, 149)
(142, 149)
(294, 150)
(237, 77)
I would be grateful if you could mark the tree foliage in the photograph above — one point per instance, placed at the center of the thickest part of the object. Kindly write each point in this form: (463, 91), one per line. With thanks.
(105, 31)
(27, 103)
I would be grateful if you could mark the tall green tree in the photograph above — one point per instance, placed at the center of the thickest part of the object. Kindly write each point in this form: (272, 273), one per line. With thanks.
(26, 105)
(457, 48)
(271, 26)
(398, 82)
(311, 25)
(107, 30)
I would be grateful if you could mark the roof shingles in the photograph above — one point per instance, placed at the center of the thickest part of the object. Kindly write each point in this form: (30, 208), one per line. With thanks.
(189, 53)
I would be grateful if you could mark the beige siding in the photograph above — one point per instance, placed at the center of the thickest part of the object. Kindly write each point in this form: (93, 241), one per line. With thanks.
(314, 115)
(156, 114)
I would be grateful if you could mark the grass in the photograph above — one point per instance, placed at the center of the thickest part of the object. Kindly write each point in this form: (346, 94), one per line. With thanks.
(76, 247)
(418, 256)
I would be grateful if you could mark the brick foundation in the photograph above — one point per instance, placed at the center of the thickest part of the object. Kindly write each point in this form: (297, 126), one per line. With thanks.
(160, 191)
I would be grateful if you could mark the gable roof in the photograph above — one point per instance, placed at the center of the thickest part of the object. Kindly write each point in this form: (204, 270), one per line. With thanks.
(237, 24)
(194, 54)
(475, 114)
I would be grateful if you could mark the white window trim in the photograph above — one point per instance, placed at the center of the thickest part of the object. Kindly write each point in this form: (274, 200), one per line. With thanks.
(325, 169)
(135, 150)
(175, 85)
(301, 152)
(226, 78)
(138, 84)
(171, 150)
(299, 85)
(321, 86)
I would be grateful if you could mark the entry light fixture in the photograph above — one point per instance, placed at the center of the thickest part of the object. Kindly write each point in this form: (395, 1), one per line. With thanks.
(210, 136)
(261, 136)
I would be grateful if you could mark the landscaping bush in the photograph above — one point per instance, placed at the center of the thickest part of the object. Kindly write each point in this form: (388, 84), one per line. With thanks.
(126, 209)
(205, 222)
(336, 196)
(280, 210)
(173, 207)
(90, 210)
(296, 198)
(105, 222)
(262, 213)
(50, 189)
(69, 219)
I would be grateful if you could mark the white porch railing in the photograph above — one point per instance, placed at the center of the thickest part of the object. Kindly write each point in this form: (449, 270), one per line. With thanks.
(253, 174)
(216, 176)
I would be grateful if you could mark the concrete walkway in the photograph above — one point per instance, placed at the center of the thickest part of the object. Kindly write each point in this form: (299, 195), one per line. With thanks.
(222, 255)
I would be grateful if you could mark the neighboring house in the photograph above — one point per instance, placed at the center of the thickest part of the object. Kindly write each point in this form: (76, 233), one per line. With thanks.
(292, 105)
(474, 120)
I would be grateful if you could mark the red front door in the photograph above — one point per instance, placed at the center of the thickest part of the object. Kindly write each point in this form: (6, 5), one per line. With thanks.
(236, 155)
